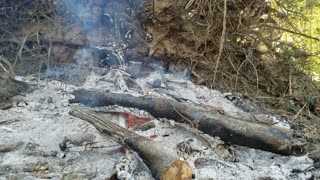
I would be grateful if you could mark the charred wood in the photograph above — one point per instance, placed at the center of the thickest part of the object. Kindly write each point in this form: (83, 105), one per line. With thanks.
(229, 129)
(163, 162)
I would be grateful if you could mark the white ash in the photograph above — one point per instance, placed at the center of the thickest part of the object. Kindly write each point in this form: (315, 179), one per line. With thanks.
(45, 121)
(42, 118)
(131, 166)
(126, 166)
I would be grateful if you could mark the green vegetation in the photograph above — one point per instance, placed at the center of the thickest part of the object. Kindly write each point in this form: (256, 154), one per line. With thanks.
(302, 21)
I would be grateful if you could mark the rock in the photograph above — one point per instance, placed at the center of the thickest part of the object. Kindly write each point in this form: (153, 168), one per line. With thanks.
(10, 146)
(315, 154)
(78, 139)
(12, 88)
(6, 105)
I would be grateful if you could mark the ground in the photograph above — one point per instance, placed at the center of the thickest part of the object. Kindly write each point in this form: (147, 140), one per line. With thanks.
(34, 128)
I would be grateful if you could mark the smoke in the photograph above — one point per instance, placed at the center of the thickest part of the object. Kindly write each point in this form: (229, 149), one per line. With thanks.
(90, 35)
(108, 33)
(85, 14)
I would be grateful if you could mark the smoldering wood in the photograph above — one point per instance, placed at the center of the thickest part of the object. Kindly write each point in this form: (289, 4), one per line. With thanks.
(229, 129)
(144, 126)
(161, 161)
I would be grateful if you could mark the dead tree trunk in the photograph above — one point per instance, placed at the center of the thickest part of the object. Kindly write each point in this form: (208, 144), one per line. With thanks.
(230, 130)
(163, 162)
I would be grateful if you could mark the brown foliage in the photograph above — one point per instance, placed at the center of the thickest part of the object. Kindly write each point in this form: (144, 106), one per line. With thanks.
(243, 56)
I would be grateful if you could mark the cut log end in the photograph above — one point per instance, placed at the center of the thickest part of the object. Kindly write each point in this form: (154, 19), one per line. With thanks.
(178, 170)
(163, 162)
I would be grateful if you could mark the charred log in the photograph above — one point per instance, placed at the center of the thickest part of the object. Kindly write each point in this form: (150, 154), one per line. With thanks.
(163, 162)
(229, 129)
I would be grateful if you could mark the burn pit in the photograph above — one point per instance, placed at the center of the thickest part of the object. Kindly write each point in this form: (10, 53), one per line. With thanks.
(102, 51)
(44, 122)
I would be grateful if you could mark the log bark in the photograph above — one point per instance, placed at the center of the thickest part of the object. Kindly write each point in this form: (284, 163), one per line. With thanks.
(164, 163)
(229, 129)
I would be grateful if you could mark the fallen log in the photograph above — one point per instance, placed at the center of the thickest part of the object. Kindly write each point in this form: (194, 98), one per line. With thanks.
(164, 163)
(229, 129)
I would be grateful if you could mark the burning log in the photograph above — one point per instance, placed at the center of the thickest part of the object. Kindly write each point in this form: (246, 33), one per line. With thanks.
(229, 129)
(163, 162)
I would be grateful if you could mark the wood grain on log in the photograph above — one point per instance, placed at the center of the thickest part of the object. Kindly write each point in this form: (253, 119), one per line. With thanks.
(164, 163)
(229, 129)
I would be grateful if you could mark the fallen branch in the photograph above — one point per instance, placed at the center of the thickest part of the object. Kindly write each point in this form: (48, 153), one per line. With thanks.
(222, 39)
(229, 129)
(292, 32)
(163, 162)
